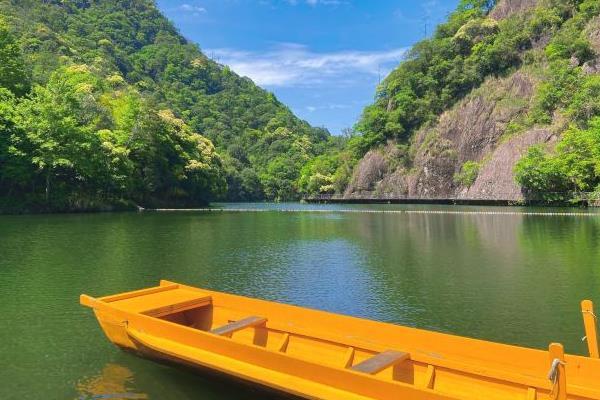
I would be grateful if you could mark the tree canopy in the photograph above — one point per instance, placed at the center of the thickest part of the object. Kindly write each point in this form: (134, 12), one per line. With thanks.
(105, 102)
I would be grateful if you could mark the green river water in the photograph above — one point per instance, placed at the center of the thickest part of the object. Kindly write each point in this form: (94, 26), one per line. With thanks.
(512, 278)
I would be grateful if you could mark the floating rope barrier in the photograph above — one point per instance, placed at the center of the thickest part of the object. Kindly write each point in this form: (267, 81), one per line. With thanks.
(351, 211)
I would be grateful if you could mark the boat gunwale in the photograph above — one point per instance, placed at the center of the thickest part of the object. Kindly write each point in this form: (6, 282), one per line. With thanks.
(380, 345)
(420, 356)
(140, 292)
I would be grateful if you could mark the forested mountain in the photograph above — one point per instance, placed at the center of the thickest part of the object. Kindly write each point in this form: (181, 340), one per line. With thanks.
(502, 102)
(103, 101)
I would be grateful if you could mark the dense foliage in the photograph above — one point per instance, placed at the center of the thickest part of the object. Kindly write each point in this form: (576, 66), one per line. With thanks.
(102, 101)
(568, 94)
(83, 145)
(573, 166)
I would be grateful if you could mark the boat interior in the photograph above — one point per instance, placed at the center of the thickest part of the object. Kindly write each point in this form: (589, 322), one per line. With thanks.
(271, 331)
(254, 330)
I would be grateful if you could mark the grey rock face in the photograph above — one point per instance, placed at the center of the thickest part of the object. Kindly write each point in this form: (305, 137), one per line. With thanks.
(471, 131)
(506, 8)
(370, 170)
(496, 179)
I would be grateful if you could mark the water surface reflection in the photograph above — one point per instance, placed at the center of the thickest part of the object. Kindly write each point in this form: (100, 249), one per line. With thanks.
(510, 278)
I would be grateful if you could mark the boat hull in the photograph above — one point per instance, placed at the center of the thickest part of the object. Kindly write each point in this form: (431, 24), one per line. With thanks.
(313, 354)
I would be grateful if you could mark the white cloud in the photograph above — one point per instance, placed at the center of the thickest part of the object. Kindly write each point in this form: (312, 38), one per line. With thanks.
(338, 106)
(192, 9)
(330, 106)
(313, 3)
(293, 65)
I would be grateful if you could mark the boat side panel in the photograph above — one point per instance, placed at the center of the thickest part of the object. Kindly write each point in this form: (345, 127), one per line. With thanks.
(452, 383)
(421, 344)
(279, 371)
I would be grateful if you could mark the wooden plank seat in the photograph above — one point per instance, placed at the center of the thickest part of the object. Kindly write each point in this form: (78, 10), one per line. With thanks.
(178, 307)
(380, 361)
(239, 325)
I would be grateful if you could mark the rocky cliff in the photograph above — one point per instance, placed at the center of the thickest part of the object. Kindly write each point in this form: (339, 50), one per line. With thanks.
(506, 8)
(471, 149)
(474, 130)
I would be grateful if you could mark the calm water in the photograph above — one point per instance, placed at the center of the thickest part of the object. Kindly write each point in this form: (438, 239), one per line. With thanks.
(510, 278)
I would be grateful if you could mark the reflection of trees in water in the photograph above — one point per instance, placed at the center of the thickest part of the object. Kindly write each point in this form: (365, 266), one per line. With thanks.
(516, 279)
(423, 233)
(562, 255)
(572, 239)
(564, 252)
(114, 382)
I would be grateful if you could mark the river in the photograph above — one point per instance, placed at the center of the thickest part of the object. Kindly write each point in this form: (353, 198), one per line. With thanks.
(491, 273)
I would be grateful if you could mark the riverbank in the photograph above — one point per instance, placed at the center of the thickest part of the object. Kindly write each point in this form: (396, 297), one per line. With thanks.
(550, 212)
(25, 205)
(322, 207)
(578, 199)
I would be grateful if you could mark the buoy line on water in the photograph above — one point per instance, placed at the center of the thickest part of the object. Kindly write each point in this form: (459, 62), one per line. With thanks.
(350, 211)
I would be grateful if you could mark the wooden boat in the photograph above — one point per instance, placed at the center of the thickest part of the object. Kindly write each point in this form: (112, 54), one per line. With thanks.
(319, 355)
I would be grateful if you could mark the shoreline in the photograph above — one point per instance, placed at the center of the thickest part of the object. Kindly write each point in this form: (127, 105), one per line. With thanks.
(296, 208)
(321, 204)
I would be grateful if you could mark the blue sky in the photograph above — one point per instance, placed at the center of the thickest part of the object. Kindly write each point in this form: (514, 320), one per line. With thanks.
(323, 58)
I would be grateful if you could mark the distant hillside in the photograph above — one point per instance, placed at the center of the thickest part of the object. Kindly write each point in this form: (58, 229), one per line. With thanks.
(133, 99)
(503, 102)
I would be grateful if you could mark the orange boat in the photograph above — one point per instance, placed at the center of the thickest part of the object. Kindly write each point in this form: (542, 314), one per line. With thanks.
(319, 355)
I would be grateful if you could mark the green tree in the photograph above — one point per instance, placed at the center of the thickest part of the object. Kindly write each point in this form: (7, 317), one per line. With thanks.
(573, 166)
(172, 163)
(468, 173)
(15, 169)
(61, 122)
(13, 75)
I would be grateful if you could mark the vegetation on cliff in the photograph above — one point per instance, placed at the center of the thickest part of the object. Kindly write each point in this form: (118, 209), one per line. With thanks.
(436, 73)
(570, 96)
(547, 42)
(573, 165)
